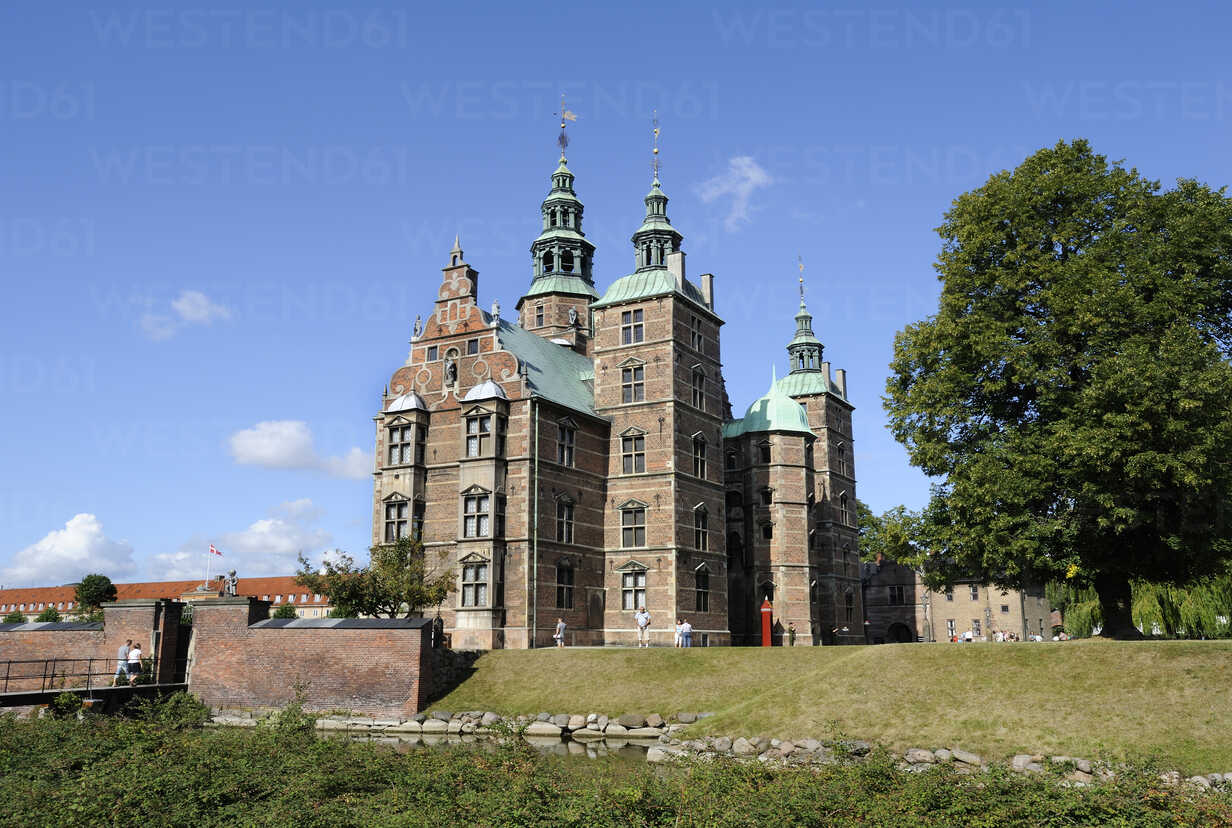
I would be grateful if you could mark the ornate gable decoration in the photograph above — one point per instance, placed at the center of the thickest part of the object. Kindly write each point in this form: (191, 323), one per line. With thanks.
(632, 503)
(632, 565)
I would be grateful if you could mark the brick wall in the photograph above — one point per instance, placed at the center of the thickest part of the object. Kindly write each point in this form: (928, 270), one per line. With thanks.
(154, 624)
(375, 666)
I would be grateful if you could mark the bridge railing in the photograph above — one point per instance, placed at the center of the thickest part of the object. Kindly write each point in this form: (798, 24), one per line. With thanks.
(44, 674)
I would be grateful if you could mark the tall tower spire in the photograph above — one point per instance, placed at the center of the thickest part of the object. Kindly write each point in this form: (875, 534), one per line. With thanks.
(656, 238)
(805, 349)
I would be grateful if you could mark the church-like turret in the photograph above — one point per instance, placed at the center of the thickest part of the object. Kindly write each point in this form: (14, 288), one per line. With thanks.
(562, 288)
(805, 349)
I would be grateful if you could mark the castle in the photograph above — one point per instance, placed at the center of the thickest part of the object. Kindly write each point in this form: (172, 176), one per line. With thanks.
(580, 460)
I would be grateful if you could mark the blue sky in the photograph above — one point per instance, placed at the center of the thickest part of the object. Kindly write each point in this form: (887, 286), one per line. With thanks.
(217, 224)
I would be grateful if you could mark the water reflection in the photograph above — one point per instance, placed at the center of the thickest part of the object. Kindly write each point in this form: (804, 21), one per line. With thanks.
(556, 746)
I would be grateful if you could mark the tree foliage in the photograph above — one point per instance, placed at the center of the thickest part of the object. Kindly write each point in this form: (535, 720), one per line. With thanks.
(49, 614)
(1072, 396)
(894, 534)
(15, 617)
(396, 583)
(285, 611)
(94, 591)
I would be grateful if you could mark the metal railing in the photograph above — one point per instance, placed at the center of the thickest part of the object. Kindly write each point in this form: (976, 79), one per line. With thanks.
(45, 674)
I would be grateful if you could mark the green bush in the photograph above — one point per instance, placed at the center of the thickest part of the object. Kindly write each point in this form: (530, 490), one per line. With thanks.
(178, 711)
(49, 614)
(15, 617)
(285, 611)
(65, 706)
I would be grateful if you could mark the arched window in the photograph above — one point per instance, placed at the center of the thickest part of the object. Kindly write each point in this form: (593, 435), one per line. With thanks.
(549, 263)
(699, 389)
(566, 262)
(844, 510)
(699, 456)
(701, 528)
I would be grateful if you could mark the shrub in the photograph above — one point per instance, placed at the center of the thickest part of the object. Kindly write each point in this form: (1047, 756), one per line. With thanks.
(15, 617)
(285, 611)
(178, 711)
(65, 705)
(49, 614)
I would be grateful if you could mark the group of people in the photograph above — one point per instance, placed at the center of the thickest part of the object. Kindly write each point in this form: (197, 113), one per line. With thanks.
(684, 630)
(128, 663)
(998, 636)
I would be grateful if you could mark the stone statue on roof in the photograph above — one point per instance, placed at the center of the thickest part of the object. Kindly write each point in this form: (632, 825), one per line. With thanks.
(573, 317)
(418, 329)
(230, 583)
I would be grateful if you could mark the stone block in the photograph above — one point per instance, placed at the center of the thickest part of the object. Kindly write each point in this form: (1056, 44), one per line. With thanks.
(641, 733)
(943, 755)
(654, 720)
(561, 720)
(602, 721)
(576, 722)
(453, 727)
(409, 726)
(615, 729)
(632, 720)
(542, 729)
(723, 744)
(966, 757)
(441, 715)
(743, 747)
(686, 718)
(586, 734)
(489, 719)
(434, 726)
(656, 755)
(920, 756)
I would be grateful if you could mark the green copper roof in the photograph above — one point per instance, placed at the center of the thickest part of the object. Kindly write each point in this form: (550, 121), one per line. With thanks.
(775, 411)
(553, 371)
(647, 283)
(803, 383)
(561, 234)
(562, 283)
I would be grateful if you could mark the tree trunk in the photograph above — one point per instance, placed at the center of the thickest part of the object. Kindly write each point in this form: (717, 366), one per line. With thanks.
(1115, 599)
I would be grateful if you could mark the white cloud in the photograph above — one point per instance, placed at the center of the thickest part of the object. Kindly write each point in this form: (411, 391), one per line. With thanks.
(742, 178)
(268, 546)
(195, 308)
(287, 444)
(65, 555)
(191, 307)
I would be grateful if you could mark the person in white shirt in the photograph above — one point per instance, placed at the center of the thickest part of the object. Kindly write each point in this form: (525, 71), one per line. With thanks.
(643, 627)
(134, 663)
(676, 640)
(686, 634)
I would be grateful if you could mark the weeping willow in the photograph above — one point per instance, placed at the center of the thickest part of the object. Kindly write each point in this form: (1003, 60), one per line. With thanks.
(1202, 609)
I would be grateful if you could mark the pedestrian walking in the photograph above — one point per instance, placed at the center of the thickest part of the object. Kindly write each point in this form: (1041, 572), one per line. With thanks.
(642, 619)
(134, 663)
(686, 633)
(560, 632)
(121, 672)
(791, 634)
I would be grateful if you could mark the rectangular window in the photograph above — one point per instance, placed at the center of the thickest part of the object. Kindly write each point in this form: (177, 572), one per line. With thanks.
(732, 460)
(898, 595)
(316, 599)
(699, 457)
(633, 384)
(767, 531)
(840, 459)
(695, 333)
(395, 520)
(277, 599)
(633, 589)
(949, 594)
(499, 529)
(564, 587)
(501, 424)
(975, 593)
(433, 353)
(951, 628)
(478, 435)
(767, 497)
(303, 598)
(472, 346)
(851, 607)
(631, 327)
(564, 521)
(400, 445)
(703, 590)
(701, 530)
(475, 585)
(632, 528)
(975, 626)
(564, 445)
(475, 516)
(844, 510)
(633, 454)
(538, 316)
(421, 444)
(1005, 609)
(417, 519)
(763, 451)
(699, 390)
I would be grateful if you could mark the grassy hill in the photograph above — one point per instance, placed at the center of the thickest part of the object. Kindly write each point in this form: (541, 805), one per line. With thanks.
(1114, 700)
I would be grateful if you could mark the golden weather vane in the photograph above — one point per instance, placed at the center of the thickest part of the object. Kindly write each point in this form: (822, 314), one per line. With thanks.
(565, 116)
(654, 164)
(800, 263)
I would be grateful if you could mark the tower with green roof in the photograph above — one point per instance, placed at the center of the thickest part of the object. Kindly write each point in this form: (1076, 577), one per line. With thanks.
(557, 305)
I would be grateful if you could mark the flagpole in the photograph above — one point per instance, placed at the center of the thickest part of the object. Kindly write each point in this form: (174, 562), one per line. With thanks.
(208, 561)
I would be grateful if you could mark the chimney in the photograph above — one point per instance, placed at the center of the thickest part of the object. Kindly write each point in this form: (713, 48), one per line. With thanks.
(708, 289)
(841, 382)
(825, 372)
(675, 266)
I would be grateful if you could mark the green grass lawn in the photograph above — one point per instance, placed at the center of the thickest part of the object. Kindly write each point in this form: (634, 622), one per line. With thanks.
(1096, 699)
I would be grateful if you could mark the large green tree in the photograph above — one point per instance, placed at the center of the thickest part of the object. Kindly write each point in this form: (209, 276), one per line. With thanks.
(396, 583)
(93, 591)
(1072, 396)
(894, 534)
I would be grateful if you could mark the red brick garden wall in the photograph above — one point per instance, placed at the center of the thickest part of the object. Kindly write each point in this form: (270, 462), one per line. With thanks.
(74, 645)
(381, 667)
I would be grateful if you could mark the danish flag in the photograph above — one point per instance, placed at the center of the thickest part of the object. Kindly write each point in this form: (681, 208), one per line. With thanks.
(214, 551)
